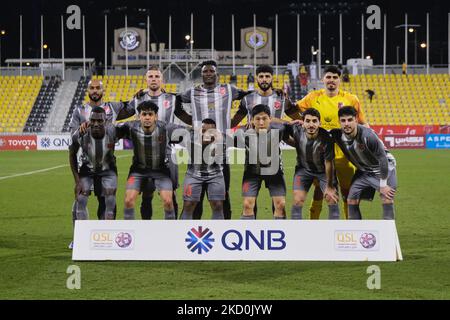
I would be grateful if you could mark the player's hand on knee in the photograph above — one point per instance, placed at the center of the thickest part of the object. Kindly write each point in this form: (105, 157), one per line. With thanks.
(331, 194)
(387, 192)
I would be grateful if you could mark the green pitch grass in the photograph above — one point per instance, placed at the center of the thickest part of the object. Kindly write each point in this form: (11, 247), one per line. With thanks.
(36, 227)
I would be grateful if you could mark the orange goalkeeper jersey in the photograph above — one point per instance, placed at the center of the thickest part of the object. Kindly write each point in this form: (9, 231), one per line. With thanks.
(328, 107)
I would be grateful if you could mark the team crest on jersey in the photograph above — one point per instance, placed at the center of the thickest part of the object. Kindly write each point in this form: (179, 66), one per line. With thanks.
(161, 138)
(361, 146)
(110, 146)
(166, 104)
(222, 91)
(277, 105)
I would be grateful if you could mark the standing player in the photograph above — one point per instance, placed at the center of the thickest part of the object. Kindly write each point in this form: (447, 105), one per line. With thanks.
(151, 147)
(97, 162)
(80, 116)
(213, 101)
(265, 94)
(263, 161)
(315, 154)
(375, 164)
(328, 101)
(166, 107)
(204, 171)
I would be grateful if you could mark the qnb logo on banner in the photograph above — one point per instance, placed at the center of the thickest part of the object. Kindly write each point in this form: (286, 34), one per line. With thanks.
(200, 240)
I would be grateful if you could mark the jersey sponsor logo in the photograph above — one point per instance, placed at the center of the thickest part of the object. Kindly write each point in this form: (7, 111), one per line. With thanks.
(277, 105)
(328, 119)
(199, 240)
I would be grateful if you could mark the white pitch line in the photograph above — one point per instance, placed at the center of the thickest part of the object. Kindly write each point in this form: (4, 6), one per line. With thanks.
(33, 172)
(43, 170)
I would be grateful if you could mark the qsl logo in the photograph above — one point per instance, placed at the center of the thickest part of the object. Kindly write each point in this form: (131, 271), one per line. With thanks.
(368, 240)
(199, 240)
(124, 239)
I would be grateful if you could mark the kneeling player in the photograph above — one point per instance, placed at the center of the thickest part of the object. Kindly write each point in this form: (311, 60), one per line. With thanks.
(204, 172)
(315, 154)
(375, 164)
(98, 161)
(262, 161)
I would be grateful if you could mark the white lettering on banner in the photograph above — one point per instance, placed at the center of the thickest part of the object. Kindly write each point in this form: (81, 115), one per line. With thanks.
(61, 142)
(306, 240)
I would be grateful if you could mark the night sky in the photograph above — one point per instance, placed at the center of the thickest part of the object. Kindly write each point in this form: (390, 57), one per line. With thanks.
(243, 10)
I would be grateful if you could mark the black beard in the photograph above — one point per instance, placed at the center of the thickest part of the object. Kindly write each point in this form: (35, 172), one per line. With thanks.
(97, 99)
(265, 88)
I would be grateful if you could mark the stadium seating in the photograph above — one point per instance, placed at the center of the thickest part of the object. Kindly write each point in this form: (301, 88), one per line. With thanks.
(17, 97)
(41, 108)
(417, 99)
(122, 88)
(76, 101)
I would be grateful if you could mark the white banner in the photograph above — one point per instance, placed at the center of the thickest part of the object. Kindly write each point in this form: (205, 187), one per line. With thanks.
(61, 142)
(289, 240)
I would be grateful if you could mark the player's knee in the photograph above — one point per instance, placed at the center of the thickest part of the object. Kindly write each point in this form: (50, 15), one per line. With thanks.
(217, 205)
(353, 201)
(298, 200)
(249, 204)
(279, 203)
(167, 200)
(189, 206)
(130, 200)
(109, 191)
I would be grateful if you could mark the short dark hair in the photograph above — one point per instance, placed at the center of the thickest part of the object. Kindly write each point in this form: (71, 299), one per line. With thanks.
(347, 111)
(332, 69)
(154, 68)
(98, 110)
(147, 106)
(260, 108)
(208, 121)
(209, 63)
(264, 68)
(312, 112)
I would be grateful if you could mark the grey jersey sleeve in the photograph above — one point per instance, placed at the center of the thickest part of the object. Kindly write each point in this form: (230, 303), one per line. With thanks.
(75, 121)
(377, 148)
